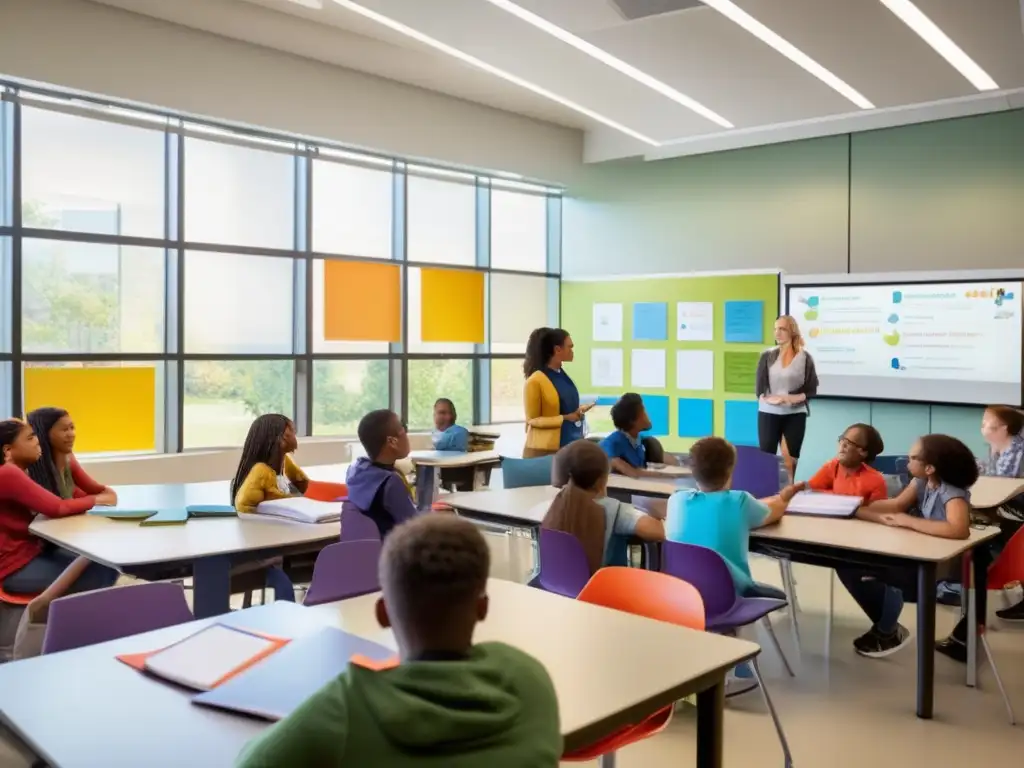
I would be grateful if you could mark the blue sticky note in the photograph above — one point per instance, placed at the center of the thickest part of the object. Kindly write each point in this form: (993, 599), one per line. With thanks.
(650, 321)
(696, 417)
(744, 322)
(741, 422)
(657, 410)
(605, 400)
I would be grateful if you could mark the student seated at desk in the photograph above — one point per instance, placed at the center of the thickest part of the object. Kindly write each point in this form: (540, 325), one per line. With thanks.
(721, 519)
(375, 487)
(448, 702)
(936, 503)
(447, 435)
(850, 473)
(627, 452)
(57, 469)
(28, 565)
(582, 508)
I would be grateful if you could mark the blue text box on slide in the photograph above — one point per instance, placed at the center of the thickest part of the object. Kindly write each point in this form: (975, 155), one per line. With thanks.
(744, 322)
(696, 417)
(657, 410)
(650, 321)
(741, 422)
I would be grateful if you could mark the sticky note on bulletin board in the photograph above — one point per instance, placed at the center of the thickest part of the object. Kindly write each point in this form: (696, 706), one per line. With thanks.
(114, 409)
(744, 322)
(452, 305)
(741, 422)
(650, 321)
(657, 409)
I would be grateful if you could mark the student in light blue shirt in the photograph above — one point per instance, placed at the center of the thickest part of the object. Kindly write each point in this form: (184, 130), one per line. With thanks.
(447, 435)
(721, 519)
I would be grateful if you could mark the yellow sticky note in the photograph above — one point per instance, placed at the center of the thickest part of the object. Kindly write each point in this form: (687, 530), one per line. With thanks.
(362, 301)
(452, 305)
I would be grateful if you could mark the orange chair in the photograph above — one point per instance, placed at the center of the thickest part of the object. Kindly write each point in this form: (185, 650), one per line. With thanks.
(321, 491)
(644, 593)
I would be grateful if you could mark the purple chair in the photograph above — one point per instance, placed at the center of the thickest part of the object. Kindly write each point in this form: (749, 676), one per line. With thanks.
(724, 610)
(344, 570)
(563, 564)
(355, 526)
(109, 614)
(756, 472)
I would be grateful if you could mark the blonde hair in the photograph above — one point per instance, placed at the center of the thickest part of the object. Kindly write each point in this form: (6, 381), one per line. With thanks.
(797, 339)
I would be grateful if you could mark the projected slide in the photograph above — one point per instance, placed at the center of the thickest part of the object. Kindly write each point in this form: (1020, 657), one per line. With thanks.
(942, 342)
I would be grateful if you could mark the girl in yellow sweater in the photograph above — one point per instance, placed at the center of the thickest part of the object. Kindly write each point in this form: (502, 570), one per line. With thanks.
(266, 470)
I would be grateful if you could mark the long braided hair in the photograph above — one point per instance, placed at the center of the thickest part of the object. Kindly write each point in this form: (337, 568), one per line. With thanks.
(44, 471)
(262, 446)
(10, 430)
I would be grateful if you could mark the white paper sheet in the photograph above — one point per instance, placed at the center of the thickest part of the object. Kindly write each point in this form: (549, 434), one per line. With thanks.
(607, 322)
(695, 321)
(606, 368)
(648, 368)
(695, 369)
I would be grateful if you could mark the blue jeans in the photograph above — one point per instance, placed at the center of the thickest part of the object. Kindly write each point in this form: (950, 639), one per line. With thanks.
(48, 565)
(880, 594)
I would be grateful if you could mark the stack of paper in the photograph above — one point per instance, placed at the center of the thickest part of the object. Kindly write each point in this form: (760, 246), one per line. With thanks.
(824, 504)
(301, 509)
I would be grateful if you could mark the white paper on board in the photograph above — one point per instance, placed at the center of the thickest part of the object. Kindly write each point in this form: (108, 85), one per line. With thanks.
(607, 322)
(606, 368)
(695, 369)
(695, 321)
(648, 368)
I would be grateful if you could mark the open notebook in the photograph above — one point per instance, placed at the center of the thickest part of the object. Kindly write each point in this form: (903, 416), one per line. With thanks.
(301, 510)
(824, 504)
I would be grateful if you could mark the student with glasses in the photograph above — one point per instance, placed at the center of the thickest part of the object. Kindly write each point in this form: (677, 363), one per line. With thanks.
(850, 473)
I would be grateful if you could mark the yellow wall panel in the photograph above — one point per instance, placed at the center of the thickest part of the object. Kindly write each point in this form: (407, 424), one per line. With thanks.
(452, 305)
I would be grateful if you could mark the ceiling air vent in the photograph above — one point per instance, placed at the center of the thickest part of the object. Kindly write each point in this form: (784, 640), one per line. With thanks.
(632, 10)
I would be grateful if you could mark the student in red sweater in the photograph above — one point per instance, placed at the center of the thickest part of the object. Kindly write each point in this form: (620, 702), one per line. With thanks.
(27, 564)
(57, 469)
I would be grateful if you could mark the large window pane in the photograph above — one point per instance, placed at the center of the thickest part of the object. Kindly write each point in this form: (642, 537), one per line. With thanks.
(222, 397)
(238, 195)
(518, 304)
(88, 175)
(6, 158)
(414, 306)
(441, 218)
(346, 390)
(507, 383)
(431, 379)
(6, 406)
(352, 210)
(519, 231)
(92, 298)
(238, 304)
(5, 294)
(320, 344)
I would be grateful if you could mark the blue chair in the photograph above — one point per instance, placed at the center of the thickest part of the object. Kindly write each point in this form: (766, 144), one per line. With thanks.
(894, 466)
(523, 473)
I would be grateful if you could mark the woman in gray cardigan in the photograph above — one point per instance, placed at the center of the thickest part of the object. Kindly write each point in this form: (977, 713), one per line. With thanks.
(786, 380)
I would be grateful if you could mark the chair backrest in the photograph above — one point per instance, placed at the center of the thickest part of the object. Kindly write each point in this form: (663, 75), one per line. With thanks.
(1009, 565)
(646, 593)
(705, 570)
(563, 563)
(108, 614)
(355, 526)
(520, 473)
(318, 490)
(756, 472)
(344, 570)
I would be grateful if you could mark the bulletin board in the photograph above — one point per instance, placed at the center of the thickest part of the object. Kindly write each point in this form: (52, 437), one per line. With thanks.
(688, 344)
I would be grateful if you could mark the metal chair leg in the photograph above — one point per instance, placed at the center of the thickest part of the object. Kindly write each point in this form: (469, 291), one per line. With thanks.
(999, 680)
(789, 586)
(831, 611)
(607, 760)
(247, 600)
(775, 715)
(767, 624)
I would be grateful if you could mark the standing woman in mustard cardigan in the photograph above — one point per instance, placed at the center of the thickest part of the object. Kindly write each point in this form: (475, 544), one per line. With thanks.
(554, 417)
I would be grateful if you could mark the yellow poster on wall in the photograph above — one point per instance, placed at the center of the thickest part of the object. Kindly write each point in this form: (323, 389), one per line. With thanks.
(452, 305)
(114, 409)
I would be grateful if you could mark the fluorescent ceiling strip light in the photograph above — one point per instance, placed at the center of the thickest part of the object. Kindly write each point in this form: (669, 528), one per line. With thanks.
(738, 16)
(316, 5)
(928, 31)
(398, 26)
(612, 61)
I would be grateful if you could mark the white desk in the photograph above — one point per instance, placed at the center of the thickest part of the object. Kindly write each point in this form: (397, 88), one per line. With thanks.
(993, 492)
(428, 463)
(62, 706)
(622, 487)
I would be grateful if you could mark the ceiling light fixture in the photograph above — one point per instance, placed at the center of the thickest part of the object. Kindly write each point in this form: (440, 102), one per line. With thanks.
(927, 30)
(408, 31)
(609, 60)
(738, 16)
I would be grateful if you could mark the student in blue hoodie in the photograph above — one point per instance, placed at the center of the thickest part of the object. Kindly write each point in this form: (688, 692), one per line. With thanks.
(447, 435)
(375, 487)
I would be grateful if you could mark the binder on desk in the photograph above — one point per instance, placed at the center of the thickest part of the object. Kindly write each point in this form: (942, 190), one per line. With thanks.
(117, 513)
(177, 516)
(211, 510)
(275, 687)
(824, 505)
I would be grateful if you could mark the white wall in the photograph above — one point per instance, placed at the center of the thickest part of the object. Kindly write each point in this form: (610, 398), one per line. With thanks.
(107, 51)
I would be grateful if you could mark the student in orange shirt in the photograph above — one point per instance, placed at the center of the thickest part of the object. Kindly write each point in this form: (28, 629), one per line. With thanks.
(849, 472)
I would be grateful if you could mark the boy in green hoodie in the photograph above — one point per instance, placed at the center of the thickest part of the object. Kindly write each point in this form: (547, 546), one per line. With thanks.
(448, 702)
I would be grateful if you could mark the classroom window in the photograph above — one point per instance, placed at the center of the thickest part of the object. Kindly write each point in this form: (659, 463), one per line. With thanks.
(346, 390)
(352, 210)
(237, 195)
(6, 153)
(222, 397)
(93, 298)
(446, 310)
(441, 219)
(5, 390)
(5, 297)
(357, 300)
(507, 383)
(519, 231)
(431, 379)
(238, 304)
(518, 305)
(85, 175)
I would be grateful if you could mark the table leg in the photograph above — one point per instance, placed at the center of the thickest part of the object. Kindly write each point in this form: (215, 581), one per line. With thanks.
(925, 639)
(211, 587)
(977, 615)
(710, 718)
(424, 487)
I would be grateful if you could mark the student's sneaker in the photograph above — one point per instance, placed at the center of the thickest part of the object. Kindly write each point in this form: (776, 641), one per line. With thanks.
(1013, 613)
(877, 645)
(740, 680)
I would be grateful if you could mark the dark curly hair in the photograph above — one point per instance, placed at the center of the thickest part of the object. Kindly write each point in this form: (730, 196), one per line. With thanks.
(712, 460)
(540, 347)
(627, 410)
(873, 444)
(953, 461)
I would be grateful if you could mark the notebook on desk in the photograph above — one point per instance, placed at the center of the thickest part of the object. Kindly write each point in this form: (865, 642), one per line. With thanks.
(178, 516)
(816, 504)
(301, 510)
(274, 688)
(118, 513)
(211, 510)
